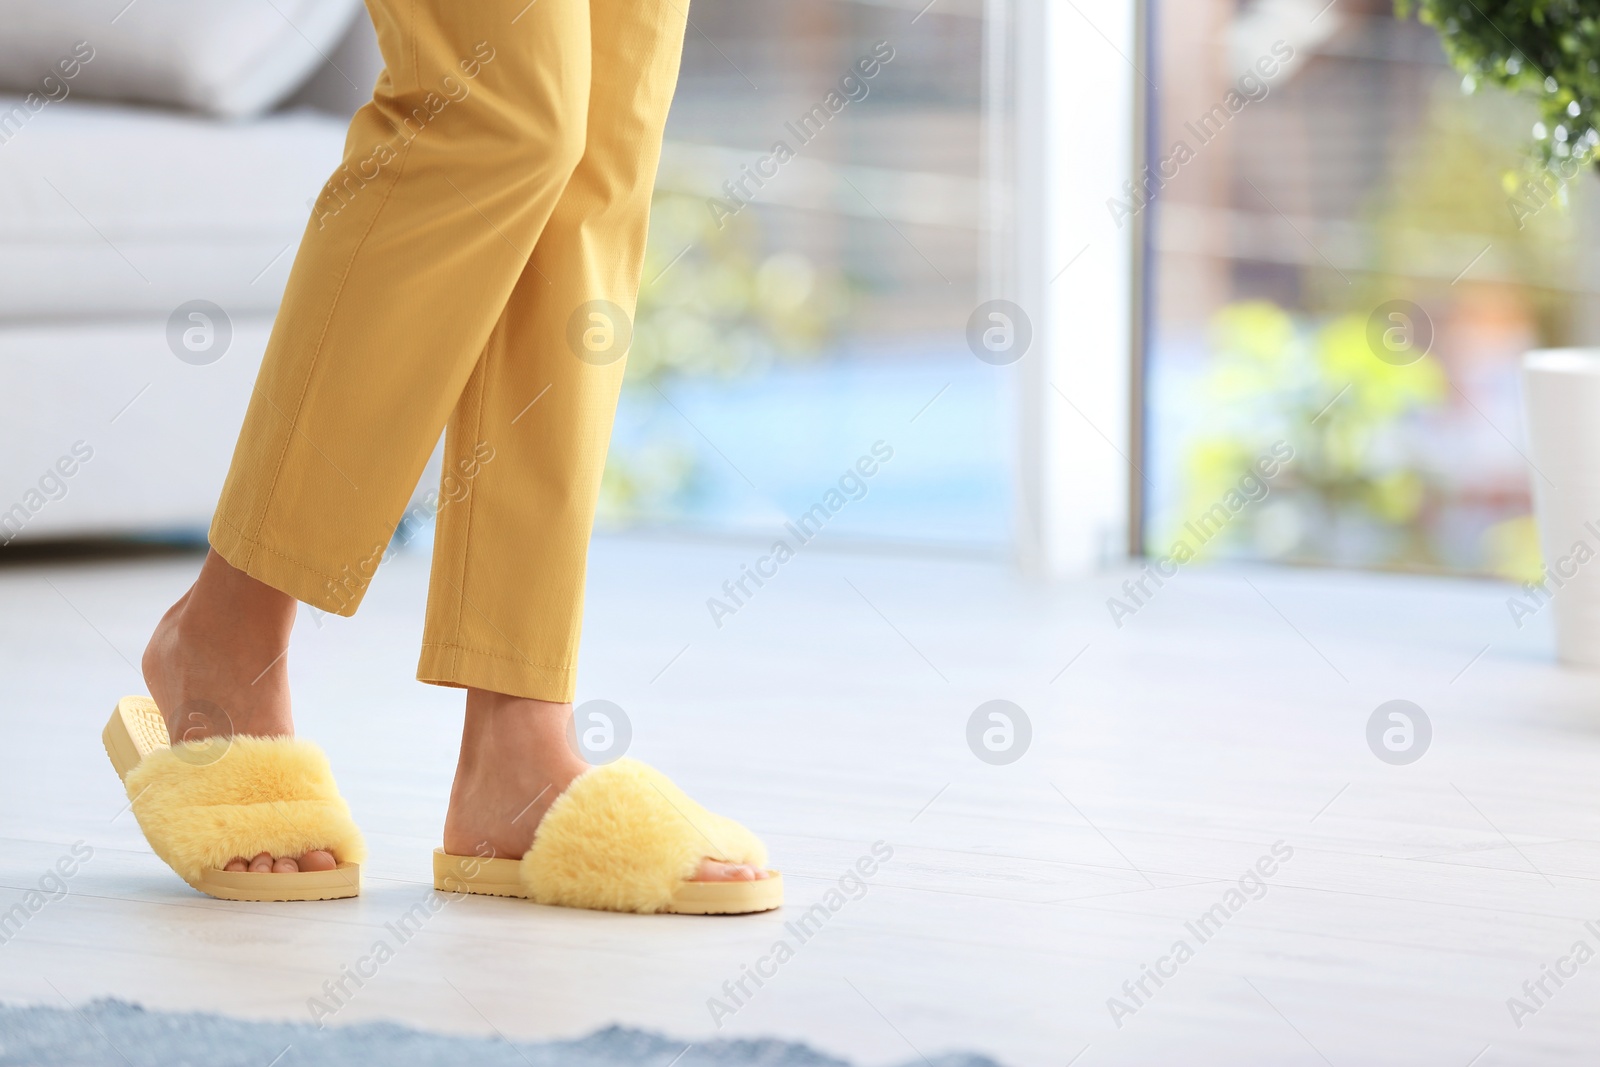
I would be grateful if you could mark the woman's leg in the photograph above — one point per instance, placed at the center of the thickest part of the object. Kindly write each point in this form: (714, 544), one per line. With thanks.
(525, 450)
(413, 251)
(414, 248)
(527, 440)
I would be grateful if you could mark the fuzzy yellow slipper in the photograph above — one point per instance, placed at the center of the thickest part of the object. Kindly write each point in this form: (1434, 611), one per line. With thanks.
(202, 803)
(623, 838)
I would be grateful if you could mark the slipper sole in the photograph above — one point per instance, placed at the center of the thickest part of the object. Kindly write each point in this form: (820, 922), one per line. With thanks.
(502, 878)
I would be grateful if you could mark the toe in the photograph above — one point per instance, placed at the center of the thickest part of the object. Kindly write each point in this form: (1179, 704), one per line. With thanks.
(238, 863)
(262, 864)
(318, 860)
(285, 865)
(716, 871)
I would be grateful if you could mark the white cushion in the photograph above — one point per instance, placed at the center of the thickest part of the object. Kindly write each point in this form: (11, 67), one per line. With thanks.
(234, 58)
(108, 210)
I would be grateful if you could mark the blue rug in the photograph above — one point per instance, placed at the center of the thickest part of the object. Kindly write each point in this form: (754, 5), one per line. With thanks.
(113, 1033)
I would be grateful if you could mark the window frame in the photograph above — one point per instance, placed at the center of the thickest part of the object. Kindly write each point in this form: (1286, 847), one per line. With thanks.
(1058, 76)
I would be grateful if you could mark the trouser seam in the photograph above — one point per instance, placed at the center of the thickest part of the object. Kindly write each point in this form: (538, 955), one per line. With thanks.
(472, 499)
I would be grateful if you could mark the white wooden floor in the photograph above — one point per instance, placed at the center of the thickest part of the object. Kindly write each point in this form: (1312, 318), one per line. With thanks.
(830, 713)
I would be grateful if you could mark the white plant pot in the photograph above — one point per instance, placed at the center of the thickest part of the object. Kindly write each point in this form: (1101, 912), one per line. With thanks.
(1561, 398)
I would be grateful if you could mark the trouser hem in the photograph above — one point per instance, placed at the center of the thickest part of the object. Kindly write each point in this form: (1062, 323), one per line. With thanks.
(304, 582)
(448, 664)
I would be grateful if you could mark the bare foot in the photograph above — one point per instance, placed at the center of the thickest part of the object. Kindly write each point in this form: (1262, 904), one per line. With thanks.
(515, 761)
(217, 665)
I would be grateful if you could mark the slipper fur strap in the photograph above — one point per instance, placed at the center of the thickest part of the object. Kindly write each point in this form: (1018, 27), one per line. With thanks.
(204, 803)
(624, 838)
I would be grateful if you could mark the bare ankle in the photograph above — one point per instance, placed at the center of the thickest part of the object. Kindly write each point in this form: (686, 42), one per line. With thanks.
(516, 759)
(216, 663)
(223, 592)
(524, 721)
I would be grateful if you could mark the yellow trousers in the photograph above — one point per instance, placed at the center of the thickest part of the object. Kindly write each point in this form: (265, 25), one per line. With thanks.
(471, 267)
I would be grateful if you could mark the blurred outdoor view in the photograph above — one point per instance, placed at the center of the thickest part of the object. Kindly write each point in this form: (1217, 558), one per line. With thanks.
(802, 303)
(1363, 171)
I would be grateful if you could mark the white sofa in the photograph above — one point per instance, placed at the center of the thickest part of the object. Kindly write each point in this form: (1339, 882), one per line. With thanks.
(114, 216)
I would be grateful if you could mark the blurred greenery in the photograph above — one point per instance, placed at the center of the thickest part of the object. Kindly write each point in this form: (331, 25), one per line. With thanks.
(1548, 50)
(1446, 200)
(725, 307)
(1513, 549)
(1370, 484)
(713, 303)
(1354, 479)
